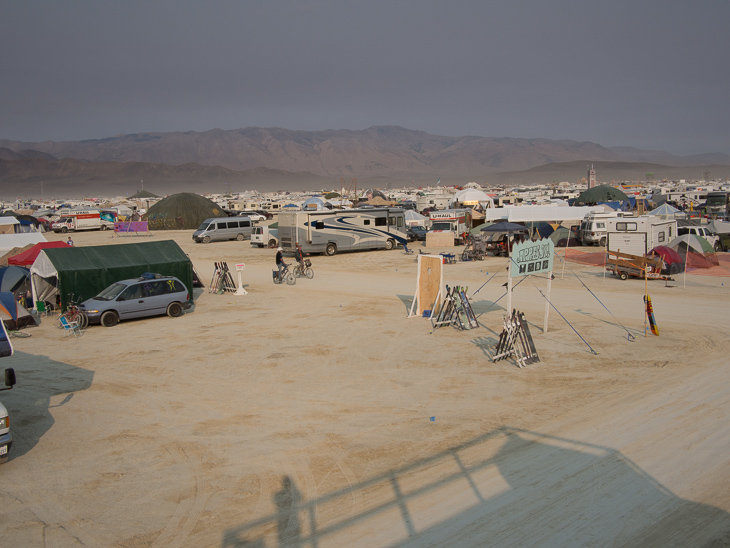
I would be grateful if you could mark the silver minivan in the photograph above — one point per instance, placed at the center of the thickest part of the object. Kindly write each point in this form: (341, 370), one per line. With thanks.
(138, 298)
(224, 228)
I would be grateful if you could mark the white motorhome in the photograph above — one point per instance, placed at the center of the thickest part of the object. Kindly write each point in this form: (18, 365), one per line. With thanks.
(593, 228)
(88, 219)
(639, 235)
(342, 230)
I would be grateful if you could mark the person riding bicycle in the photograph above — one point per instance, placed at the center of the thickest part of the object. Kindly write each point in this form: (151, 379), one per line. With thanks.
(299, 256)
(280, 260)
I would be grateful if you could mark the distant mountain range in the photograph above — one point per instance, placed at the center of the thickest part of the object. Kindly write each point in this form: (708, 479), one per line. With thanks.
(276, 158)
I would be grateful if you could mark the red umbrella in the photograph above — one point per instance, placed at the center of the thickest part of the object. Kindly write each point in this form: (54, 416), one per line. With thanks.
(668, 254)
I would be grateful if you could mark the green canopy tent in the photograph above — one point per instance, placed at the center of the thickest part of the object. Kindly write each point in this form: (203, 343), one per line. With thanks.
(83, 272)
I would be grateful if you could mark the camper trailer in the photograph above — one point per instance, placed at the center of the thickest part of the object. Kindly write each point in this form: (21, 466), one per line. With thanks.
(593, 228)
(639, 235)
(330, 232)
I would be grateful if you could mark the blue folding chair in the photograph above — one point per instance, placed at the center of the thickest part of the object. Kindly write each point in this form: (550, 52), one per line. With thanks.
(70, 327)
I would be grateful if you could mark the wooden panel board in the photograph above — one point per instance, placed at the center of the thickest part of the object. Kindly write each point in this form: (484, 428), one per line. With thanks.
(430, 271)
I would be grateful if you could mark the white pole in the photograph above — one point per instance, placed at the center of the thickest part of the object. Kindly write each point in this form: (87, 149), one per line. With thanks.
(547, 302)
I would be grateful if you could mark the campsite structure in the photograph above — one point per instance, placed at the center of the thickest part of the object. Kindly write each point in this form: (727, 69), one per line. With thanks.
(85, 271)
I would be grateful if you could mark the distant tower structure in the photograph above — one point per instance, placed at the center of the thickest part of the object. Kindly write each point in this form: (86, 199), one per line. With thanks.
(591, 177)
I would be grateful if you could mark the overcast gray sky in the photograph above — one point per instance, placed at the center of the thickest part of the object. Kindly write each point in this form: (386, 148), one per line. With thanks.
(648, 73)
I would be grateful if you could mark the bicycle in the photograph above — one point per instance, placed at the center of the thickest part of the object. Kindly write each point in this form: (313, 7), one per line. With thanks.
(286, 275)
(74, 314)
(304, 269)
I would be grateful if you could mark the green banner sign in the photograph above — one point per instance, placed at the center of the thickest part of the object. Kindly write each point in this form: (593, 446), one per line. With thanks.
(531, 258)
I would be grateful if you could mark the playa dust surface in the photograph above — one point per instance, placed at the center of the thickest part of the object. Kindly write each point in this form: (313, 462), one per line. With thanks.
(320, 415)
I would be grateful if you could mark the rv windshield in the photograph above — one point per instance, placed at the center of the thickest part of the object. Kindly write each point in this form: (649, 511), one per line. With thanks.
(111, 292)
(203, 227)
(717, 198)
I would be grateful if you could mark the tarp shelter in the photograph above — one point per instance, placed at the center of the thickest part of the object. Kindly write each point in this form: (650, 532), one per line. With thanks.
(13, 314)
(83, 272)
(29, 256)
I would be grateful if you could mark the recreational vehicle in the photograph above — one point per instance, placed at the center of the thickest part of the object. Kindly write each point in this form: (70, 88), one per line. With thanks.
(639, 235)
(593, 228)
(329, 232)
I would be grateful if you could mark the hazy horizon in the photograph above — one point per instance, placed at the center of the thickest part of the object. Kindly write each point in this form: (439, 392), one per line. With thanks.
(649, 75)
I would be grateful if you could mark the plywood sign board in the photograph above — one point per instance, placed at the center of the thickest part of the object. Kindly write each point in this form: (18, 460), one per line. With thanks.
(440, 239)
(429, 284)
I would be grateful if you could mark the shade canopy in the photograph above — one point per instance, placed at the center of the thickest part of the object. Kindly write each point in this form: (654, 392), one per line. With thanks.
(504, 226)
(28, 257)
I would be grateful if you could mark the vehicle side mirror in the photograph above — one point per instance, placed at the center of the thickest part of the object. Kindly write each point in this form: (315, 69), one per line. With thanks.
(10, 377)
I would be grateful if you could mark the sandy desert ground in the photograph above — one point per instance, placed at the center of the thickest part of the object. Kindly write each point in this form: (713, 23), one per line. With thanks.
(319, 415)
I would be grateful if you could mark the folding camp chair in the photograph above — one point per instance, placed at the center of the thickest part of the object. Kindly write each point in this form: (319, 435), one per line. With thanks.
(40, 307)
(406, 250)
(70, 327)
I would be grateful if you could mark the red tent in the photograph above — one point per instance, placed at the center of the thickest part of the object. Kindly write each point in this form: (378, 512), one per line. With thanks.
(27, 258)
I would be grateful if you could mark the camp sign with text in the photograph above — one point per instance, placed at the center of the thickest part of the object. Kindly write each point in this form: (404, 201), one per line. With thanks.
(532, 258)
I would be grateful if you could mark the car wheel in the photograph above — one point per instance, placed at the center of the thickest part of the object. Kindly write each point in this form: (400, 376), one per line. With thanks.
(109, 318)
(330, 250)
(240, 237)
(64, 229)
(206, 239)
(174, 310)
(272, 244)
(390, 244)
(4, 458)
(717, 247)
(602, 243)
(623, 275)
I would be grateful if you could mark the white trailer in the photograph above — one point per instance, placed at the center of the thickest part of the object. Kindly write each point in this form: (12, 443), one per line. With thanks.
(639, 235)
(342, 230)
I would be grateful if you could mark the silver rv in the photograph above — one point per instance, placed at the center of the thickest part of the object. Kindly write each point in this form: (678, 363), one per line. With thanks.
(329, 232)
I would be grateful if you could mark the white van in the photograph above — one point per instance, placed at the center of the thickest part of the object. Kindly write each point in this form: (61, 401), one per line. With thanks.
(593, 228)
(222, 229)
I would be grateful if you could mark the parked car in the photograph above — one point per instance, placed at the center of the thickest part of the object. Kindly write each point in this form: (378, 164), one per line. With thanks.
(255, 216)
(138, 298)
(416, 234)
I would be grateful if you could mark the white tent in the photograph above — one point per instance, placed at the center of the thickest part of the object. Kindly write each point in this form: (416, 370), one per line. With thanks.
(413, 218)
(471, 197)
(666, 211)
(9, 239)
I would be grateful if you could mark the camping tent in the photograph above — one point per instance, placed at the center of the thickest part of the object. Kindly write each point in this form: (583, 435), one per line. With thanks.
(471, 198)
(673, 262)
(13, 314)
(29, 256)
(665, 211)
(12, 278)
(185, 210)
(83, 272)
(695, 251)
(413, 218)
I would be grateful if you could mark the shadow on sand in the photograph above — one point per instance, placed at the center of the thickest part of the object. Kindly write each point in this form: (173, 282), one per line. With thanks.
(39, 379)
(509, 487)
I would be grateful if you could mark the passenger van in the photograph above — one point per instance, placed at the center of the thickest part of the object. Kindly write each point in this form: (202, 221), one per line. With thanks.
(225, 228)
